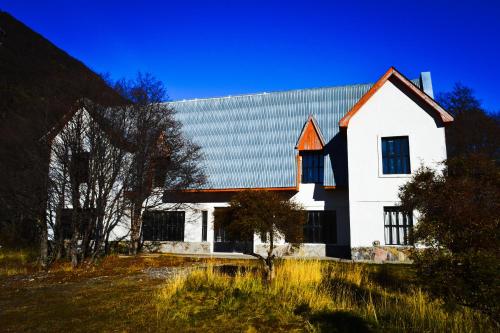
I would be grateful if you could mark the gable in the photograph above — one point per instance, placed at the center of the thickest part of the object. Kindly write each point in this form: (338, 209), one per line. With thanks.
(310, 137)
(399, 80)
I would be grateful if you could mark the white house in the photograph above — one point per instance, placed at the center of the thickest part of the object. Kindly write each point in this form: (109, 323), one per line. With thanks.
(342, 152)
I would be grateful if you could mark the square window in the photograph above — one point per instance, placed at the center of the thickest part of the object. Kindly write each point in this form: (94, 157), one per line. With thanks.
(395, 155)
(321, 227)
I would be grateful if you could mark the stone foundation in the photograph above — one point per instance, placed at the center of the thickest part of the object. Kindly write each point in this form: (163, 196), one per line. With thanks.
(178, 247)
(381, 254)
(307, 250)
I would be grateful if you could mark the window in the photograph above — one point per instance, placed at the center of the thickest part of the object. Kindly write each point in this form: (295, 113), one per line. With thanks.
(321, 227)
(160, 171)
(204, 225)
(312, 166)
(163, 226)
(395, 155)
(83, 217)
(80, 166)
(398, 226)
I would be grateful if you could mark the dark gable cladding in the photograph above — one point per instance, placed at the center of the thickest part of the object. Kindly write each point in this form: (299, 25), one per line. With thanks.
(249, 141)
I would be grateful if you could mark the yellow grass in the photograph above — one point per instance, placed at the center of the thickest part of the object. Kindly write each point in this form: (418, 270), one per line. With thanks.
(305, 290)
(15, 262)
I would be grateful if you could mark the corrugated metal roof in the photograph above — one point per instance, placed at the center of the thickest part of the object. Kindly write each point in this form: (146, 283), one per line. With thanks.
(248, 140)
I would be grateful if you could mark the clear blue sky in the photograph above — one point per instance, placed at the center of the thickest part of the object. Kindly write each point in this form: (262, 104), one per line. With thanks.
(204, 49)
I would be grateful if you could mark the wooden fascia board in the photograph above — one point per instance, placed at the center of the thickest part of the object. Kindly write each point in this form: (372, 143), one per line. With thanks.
(293, 188)
(393, 73)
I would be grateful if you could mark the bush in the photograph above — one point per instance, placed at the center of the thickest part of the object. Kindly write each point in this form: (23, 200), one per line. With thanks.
(459, 228)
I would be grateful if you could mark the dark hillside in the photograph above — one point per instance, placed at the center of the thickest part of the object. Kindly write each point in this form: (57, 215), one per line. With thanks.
(39, 83)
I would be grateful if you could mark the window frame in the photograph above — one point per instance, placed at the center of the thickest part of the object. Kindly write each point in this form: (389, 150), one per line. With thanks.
(316, 164)
(319, 228)
(171, 229)
(204, 225)
(80, 166)
(380, 156)
(160, 170)
(407, 227)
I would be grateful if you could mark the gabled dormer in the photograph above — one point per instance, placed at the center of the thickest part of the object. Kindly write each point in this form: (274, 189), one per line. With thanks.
(310, 138)
(310, 157)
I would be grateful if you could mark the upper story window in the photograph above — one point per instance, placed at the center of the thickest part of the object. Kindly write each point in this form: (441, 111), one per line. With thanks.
(80, 166)
(398, 226)
(160, 171)
(395, 155)
(312, 166)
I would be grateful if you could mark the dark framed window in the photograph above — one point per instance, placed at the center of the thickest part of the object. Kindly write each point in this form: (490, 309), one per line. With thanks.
(204, 225)
(163, 226)
(398, 226)
(80, 166)
(160, 171)
(321, 227)
(312, 166)
(395, 155)
(83, 217)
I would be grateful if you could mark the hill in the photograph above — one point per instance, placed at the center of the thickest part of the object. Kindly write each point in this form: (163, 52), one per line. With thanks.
(39, 83)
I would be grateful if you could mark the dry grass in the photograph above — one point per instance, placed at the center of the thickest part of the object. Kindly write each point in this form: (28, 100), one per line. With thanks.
(307, 295)
(16, 262)
(221, 295)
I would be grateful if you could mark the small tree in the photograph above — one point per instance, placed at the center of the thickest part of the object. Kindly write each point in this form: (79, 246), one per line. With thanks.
(267, 214)
(459, 225)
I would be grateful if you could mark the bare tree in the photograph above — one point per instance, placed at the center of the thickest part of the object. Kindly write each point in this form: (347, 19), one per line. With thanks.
(163, 158)
(89, 167)
(267, 214)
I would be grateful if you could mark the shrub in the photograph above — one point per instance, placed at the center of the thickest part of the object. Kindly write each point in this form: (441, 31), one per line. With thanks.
(459, 227)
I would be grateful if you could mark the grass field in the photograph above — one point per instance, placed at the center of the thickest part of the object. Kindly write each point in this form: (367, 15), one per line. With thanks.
(179, 294)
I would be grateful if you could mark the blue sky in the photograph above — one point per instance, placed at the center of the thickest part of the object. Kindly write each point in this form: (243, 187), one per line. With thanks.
(204, 49)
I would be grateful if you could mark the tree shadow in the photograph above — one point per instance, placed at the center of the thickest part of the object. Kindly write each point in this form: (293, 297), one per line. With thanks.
(232, 270)
(340, 322)
(395, 277)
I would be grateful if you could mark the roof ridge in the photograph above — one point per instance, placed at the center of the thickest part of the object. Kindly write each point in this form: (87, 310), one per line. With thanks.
(266, 93)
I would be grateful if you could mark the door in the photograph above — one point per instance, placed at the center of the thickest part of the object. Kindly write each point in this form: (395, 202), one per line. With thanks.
(224, 242)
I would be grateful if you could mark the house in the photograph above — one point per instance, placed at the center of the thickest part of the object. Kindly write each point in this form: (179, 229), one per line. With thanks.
(342, 152)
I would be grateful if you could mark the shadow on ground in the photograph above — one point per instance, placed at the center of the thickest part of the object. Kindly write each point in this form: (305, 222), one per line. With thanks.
(340, 322)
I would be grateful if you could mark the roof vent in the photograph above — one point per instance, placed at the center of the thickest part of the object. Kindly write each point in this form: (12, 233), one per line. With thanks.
(426, 83)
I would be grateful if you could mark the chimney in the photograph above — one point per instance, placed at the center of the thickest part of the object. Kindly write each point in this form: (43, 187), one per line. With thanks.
(426, 83)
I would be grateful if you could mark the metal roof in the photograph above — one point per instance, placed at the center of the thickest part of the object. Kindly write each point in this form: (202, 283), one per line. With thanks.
(248, 141)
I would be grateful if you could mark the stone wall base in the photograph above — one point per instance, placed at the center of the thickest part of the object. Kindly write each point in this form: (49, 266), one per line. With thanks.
(178, 247)
(307, 250)
(382, 253)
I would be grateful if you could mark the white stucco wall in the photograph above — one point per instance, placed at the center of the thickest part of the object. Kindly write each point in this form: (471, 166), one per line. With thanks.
(60, 177)
(310, 196)
(389, 112)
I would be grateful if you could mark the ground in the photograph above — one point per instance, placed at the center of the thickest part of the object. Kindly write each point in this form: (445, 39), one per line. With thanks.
(179, 294)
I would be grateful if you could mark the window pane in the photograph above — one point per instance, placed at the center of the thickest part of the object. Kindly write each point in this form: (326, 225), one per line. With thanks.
(312, 166)
(321, 227)
(395, 155)
(204, 225)
(163, 226)
(398, 226)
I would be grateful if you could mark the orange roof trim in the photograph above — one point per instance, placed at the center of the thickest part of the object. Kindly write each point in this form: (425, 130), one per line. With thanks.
(392, 73)
(240, 189)
(310, 138)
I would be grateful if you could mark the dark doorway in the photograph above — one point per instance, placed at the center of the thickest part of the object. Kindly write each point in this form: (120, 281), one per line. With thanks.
(224, 242)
